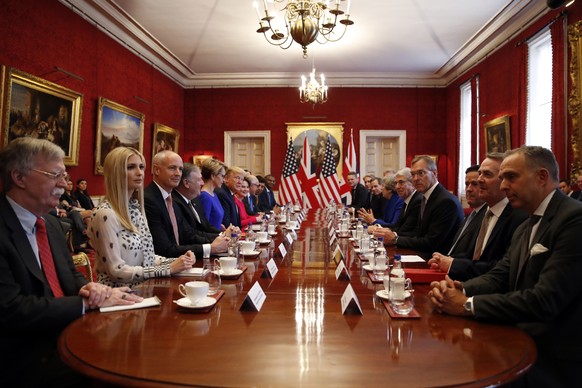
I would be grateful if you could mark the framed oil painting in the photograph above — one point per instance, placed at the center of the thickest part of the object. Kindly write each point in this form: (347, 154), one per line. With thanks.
(497, 135)
(117, 126)
(317, 134)
(165, 138)
(42, 109)
(575, 98)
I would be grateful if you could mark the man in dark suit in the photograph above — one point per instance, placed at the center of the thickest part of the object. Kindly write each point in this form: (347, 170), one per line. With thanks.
(536, 285)
(40, 290)
(267, 200)
(251, 201)
(358, 191)
(439, 218)
(196, 227)
(232, 182)
(168, 241)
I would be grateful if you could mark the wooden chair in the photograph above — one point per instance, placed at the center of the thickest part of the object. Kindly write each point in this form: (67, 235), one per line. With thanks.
(80, 259)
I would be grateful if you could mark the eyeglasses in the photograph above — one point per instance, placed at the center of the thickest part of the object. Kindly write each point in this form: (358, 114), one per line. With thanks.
(57, 176)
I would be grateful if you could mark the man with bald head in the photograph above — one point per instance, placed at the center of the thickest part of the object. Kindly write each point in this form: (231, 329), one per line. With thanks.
(164, 216)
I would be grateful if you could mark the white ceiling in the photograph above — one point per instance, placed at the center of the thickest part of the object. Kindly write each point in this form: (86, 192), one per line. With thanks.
(214, 43)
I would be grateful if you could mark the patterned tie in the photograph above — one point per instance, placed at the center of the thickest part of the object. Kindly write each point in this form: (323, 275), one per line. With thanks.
(46, 258)
(173, 218)
(195, 212)
(481, 236)
(467, 222)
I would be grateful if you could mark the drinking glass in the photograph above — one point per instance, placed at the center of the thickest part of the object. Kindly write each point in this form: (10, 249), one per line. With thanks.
(211, 274)
(380, 265)
(401, 296)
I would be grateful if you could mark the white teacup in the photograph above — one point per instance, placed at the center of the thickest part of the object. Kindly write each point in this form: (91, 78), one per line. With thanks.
(195, 291)
(271, 229)
(247, 246)
(227, 264)
(262, 236)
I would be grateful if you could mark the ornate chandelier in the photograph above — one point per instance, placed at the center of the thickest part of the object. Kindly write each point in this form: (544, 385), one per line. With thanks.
(312, 91)
(306, 21)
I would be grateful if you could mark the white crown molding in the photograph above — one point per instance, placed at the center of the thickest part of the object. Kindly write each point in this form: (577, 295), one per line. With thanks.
(121, 27)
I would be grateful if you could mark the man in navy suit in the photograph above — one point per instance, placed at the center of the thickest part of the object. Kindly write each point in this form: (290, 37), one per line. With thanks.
(267, 197)
(439, 218)
(359, 193)
(232, 182)
(40, 290)
(251, 201)
(167, 169)
(196, 227)
(536, 285)
(496, 231)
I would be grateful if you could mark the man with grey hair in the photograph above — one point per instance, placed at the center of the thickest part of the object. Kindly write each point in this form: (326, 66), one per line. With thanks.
(41, 292)
(407, 222)
(536, 285)
(440, 212)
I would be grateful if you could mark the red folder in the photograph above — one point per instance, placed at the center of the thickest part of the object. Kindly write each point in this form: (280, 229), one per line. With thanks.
(418, 275)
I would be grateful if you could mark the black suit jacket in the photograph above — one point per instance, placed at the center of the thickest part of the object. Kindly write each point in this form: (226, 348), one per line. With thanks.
(161, 226)
(30, 317)
(467, 238)
(576, 195)
(267, 200)
(359, 196)
(442, 217)
(542, 294)
(191, 229)
(407, 222)
(465, 268)
(255, 205)
(231, 215)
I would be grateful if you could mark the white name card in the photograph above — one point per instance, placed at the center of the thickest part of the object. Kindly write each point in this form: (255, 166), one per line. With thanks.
(330, 224)
(271, 269)
(332, 239)
(282, 250)
(341, 272)
(289, 238)
(338, 254)
(350, 303)
(254, 299)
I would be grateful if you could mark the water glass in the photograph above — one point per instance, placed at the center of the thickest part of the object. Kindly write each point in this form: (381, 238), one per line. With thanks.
(211, 274)
(401, 296)
(380, 265)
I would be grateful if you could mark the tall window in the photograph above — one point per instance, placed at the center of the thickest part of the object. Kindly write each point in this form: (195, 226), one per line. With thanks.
(464, 136)
(539, 91)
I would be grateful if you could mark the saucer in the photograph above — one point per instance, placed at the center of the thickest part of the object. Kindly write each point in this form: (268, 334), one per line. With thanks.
(368, 267)
(383, 294)
(264, 241)
(273, 233)
(234, 272)
(185, 302)
(252, 253)
(358, 250)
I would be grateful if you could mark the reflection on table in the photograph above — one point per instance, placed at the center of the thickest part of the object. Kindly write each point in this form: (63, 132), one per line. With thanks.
(300, 336)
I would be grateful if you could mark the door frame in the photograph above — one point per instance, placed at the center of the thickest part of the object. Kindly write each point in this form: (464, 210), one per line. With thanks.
(229, 136)
(383, 133)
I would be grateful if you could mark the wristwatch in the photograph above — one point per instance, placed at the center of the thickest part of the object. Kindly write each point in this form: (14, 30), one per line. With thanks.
(469, 306)
(395, 239)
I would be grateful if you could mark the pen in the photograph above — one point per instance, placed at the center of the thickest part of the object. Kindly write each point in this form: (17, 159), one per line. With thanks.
(133, 292)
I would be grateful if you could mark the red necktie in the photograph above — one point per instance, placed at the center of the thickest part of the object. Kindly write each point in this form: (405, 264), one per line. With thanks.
(173, 218)
(46, 258)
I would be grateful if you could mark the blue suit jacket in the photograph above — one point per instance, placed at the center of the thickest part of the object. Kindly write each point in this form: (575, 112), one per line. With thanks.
(231, 215)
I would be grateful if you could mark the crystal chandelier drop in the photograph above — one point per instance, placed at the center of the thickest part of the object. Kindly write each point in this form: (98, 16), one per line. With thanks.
(312, 91)
(305, 21)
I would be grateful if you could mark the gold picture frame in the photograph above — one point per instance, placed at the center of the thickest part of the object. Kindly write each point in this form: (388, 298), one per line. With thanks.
(117, 126)
(575, 99)
(165, 138)
(317, 135)
(38, 108)
(497, 135)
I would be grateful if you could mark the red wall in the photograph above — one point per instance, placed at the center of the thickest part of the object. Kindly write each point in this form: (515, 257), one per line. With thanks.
(39, 35)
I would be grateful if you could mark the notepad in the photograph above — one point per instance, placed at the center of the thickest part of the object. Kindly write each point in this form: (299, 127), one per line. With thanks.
(192, 272)
(147, 302)
(412, 259)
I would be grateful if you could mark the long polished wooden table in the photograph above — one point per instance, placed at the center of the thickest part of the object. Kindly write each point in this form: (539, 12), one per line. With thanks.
(299, 337)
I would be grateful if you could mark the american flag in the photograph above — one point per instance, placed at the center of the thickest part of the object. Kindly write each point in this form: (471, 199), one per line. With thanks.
(350, 164)
(329, 184)
(311, 198)
(290, 189)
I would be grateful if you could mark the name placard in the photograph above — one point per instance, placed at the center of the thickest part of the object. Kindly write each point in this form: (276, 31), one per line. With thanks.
(330, 224)
(282, 250)
(350, 303)
(270, 270)
(289, 237)
(332, 239)
(338, 254)
(254, 299)
(341, 272)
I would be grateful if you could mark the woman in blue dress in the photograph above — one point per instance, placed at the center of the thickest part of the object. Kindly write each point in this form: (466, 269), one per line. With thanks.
(213, 172)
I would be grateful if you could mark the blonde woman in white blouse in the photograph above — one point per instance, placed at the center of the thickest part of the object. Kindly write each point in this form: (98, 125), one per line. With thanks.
(119, 231)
